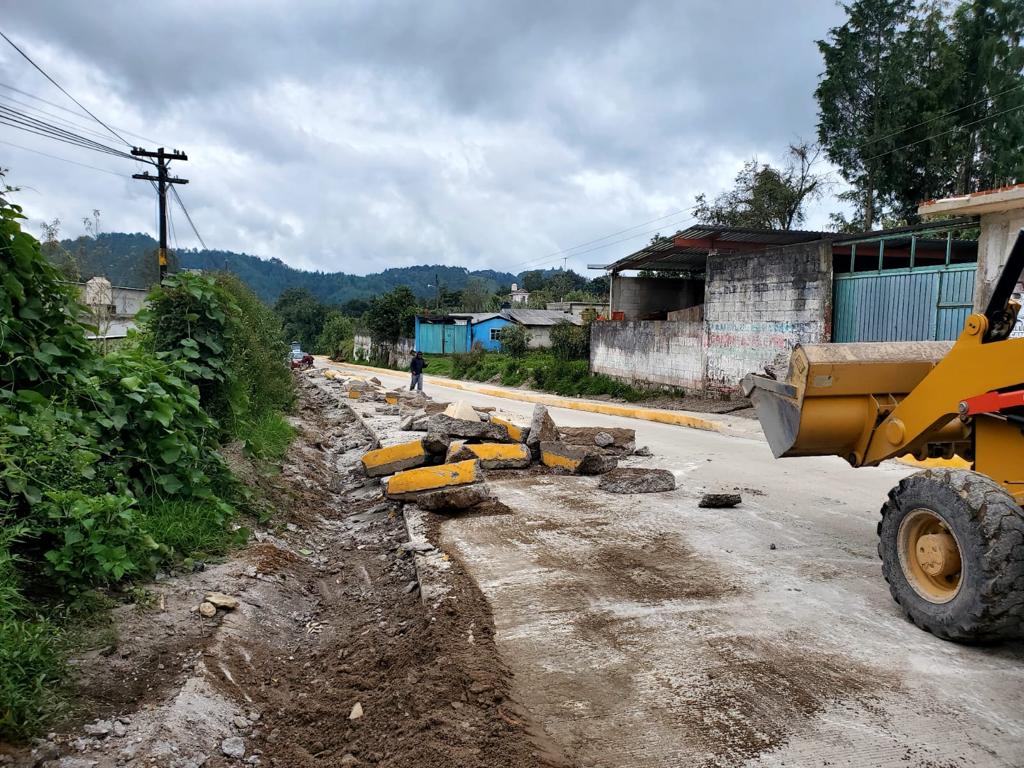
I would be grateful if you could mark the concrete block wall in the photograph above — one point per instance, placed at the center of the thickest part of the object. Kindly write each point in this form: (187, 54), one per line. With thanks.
(758, 307)
(649, 352)
(640, 297)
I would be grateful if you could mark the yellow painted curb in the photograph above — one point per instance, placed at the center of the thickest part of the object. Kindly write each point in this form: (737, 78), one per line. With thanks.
(514, 432)
(558, 461)
(955, 463)
(555, 401)
(393, 458)
(433, 478)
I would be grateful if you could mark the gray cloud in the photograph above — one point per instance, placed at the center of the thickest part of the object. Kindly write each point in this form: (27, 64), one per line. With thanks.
(360, 135)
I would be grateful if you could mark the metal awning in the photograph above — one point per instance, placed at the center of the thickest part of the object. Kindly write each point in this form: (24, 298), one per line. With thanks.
(687, 250)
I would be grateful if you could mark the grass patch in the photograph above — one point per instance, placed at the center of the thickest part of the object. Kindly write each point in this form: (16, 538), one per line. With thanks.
(33, 666)
(267, 437)
(192, 528)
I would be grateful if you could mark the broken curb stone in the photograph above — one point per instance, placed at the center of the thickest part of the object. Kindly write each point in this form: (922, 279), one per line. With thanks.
(394, 458)
(462, 497)
(408, 485)
(542, 428)
(576, 459)
(610, 439)
(630, 480)
(515, 433)
(444, 424)
(492, 455)
(719, 500)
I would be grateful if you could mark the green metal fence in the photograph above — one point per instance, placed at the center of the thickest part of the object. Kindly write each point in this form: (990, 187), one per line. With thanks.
(920, 304)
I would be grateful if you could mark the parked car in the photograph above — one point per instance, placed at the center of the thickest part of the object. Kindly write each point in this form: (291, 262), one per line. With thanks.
(299, 359)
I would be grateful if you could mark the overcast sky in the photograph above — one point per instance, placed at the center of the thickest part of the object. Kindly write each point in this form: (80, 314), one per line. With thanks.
(356, 136)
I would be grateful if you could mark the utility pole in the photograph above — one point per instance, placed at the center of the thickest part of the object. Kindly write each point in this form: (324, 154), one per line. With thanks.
(162, 180)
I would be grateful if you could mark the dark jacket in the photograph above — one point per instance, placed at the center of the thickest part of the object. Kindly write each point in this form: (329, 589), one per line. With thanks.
(417, 365)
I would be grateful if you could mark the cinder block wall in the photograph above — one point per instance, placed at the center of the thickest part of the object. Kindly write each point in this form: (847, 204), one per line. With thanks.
(758, 307)
(640, 297)
(652, 352)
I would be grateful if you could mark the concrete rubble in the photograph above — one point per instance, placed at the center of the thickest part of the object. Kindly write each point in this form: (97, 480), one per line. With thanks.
(720, 500)
(620, 442)
(633, 480)
(576, 459)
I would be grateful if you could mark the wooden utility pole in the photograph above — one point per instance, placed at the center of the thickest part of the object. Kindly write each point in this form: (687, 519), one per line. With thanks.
(162, 180)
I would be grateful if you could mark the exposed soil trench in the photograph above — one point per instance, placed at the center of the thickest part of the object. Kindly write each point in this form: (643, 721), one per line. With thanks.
(330, 616)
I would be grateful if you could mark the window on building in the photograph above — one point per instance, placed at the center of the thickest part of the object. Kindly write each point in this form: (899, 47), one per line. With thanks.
(494, 334)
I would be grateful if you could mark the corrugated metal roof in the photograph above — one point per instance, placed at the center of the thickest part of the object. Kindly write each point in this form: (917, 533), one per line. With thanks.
(540, 317)
(670, 254)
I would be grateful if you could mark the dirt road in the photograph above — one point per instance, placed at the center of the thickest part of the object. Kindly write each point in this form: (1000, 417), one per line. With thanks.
(645, 631)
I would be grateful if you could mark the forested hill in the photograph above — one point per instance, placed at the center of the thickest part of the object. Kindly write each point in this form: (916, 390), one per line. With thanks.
(129, 260)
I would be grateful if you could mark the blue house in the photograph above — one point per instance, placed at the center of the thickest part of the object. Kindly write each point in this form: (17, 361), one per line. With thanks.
(459, 332)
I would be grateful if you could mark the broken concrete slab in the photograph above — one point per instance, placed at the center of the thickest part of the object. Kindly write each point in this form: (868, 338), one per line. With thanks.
(461, 497)
(408, 423)
(462, 410)
(492, 455)
(719, 500)
(576, 459)
(515, 433)
(436, 444)
(409, 484)
(542, 429)
(622, 443)
(444, 424)
(394, 458)
(633, 480)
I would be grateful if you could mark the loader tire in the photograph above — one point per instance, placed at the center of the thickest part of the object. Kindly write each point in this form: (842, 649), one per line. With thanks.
(984, 600)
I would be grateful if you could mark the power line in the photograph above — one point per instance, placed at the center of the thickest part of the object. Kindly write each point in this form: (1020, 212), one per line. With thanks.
(944, 133)
(26, 122)
(944, 114)
(58, 118)
(61, 89)
(187, 216)
(62, 159)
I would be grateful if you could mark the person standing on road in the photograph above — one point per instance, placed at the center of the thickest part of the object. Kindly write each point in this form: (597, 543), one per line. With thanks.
(417, 366)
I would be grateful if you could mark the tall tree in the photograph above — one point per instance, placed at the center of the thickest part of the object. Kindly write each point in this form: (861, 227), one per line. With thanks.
(302, 316)
(766, 197)
(862, 98)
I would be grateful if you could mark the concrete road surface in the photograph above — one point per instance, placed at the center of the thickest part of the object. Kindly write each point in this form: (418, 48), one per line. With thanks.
(645, 631)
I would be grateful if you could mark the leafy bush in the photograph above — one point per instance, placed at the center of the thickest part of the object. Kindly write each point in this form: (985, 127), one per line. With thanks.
(570, 342)
(514, 339)
(463, 363)
(337, 338)
(259, 358)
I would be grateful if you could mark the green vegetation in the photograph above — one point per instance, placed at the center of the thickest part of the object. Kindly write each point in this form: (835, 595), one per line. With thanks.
(109, 464)
(337, 337)
(539, 369)
(514, 340)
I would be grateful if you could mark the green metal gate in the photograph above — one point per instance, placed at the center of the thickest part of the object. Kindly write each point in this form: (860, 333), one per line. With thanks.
(917, 304)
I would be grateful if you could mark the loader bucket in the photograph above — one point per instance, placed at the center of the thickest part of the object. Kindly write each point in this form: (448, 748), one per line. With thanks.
(835, 394)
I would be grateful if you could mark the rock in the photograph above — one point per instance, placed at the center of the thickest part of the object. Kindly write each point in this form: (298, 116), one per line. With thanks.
(643, 451)
(629, 480)
(234, 747)
(771, 546)
(101, 728)
(254, 716)
(240, 722)
(76, 762)
(462, 410)
(44, 751)
(576, 459)
(462, 497)
(120, 729)
(411, 586)
(542, 429)
(208, 610)
(220, 600)
(436, 444)
(357, 711)
(349, 759)
(719, 500)
(623, 441)
(375, 380)
(444, 424)
(409, 422)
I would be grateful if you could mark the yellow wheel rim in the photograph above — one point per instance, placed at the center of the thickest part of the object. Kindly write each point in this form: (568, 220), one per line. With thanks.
(930, 556)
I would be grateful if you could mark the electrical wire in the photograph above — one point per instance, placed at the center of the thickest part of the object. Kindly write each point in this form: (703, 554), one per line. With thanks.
(61, 89)
(62, 159)
(23, 121)
(187, 216)
(44, 114)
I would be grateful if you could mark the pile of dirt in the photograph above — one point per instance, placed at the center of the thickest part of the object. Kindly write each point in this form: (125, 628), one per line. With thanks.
(331, 658)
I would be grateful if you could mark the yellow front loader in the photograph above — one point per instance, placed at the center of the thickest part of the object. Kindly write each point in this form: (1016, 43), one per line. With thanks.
(951, 540)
